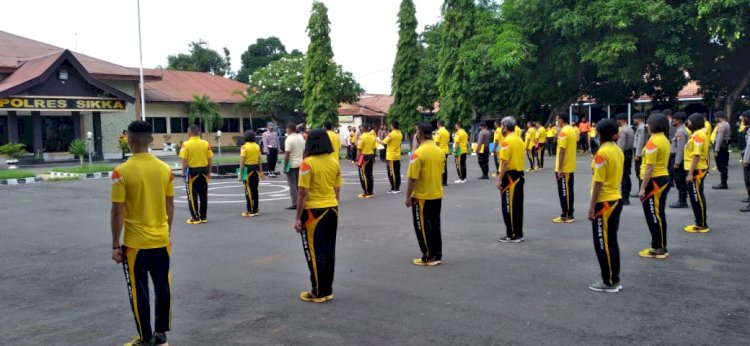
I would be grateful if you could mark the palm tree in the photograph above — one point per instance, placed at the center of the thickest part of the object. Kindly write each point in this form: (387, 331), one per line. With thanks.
(207, 111)
(247, 103)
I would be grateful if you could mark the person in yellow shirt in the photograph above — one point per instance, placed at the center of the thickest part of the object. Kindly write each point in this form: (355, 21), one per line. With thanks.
(352, 144)
(318, 214)
(442, 140)
(123, 142)
(656, 185)
(335, 140)
(551, 139)
(460, 152)
(196, 157)
(392, 143)
(593, 141)
(424, 195)
(142, 195)
(541, 139)
(696, 164)
(510, 181)
(565, 168)
(250, 173)
(606, 206)
(497, 140)
(366, 147)
(531, 142)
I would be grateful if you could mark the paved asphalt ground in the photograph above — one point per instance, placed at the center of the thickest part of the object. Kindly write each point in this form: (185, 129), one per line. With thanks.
(236, 281)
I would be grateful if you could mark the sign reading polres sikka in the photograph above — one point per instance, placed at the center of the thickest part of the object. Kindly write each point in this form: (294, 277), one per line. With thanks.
(38, 103)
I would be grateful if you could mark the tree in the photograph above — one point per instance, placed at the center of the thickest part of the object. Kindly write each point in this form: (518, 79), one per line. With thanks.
(205, 113)
(318, 88)
(429, 68)
(260, 54)
(452, 81)
(201, 59)
(276, 90)
(405, 86)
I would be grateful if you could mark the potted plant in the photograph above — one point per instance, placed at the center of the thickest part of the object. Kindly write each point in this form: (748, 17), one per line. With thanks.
(77, 148)
(12, 151)
(168, 145)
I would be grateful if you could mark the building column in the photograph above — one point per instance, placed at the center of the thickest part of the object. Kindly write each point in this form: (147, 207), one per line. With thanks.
(12, 127)
(97, 120)
(76, 124)
(36, 132)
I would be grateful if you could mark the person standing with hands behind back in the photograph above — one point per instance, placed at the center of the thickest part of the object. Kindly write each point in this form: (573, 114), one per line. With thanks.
(510, 181)
(425, 195)
(294, 148)
(318, 214)
(655, 185)
(143, 202)
(460, 151)
(366, 147)
(251, 172)
(270, 141)
(696, 165)
(196, 157)
(606, 206)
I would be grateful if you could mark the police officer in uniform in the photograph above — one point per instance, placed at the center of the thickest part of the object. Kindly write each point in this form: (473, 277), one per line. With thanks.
(746, 163)
(677, 153)
(721, 149)
(483, 151)
(639, 140)
(196, 157)
(625, 142)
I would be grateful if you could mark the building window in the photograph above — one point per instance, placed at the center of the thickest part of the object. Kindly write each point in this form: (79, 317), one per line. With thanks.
(57, 133)
(178, 125)
(231, 125)
(3, 129)
(159, 124)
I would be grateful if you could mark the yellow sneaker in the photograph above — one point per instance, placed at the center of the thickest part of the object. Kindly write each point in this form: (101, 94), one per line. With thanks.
(696, 229)
(306, 296)
(494, 174)
(247, 214)
(193, 222)
(362, 196)
(369, 196)
(135, 342)
(561, 219)
(204, 221)
(653, 253)
(419, 262)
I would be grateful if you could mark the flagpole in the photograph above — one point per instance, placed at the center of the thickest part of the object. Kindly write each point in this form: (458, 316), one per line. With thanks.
(140, 52)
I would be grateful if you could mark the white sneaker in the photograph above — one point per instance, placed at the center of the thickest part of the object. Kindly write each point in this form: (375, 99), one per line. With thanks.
(457, 181)
(463, 181)
(395, 192)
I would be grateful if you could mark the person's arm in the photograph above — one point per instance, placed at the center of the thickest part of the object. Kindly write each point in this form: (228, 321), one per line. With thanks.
(116, 223)
(679, 154)
(409, 191)
(301, 199)
(184, 166)
(719, 140)
(646, 178)
(560, 160)
(501, 174)
(261, 176)
(170, 215)
(693, 167)
(596, 191)
(210, 163)
(264, 142)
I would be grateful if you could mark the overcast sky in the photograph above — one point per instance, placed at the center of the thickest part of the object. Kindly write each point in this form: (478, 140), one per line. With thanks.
(363, 32)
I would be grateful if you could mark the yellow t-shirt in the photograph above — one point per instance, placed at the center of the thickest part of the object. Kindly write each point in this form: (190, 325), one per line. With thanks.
(519, 132)
(512, 150)
(461, 141)
(442, 139)
(707, 126)
(697, 145)
(541, 135)
(568, 140)
(367, 144)
(320, 175)
(498, 138)
(713, 135)
(336, 143)
(196, 151)
(592, 132)
(143, 183)
(551, 132)
(656, 152)
(530, 138)
(607, 166)
(393, 145)
(352, 137)
(426, 167)
(250, 153)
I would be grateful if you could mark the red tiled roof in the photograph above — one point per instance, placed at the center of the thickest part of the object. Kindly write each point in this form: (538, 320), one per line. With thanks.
(369, 105)
(29, 70)
(180, 86)
(15, 49)
(360, 111)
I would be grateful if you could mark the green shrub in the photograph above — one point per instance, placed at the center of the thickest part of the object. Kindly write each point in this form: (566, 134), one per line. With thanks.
(13, 150)
(83, 169)
(15, 174)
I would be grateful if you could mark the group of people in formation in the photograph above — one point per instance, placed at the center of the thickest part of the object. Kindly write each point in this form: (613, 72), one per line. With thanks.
(667, 149)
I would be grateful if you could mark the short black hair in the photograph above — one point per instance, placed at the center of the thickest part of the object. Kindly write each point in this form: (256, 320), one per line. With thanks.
(140, 132)
(292, 126)
(194, 129)
(681, 116)
(441, 123)
(395, 124)
(563, 117)
(658, 123)
(621, 116)
(667, 112)
(746, 115)
(318, 143)
(607, 130)
(696, 121)
(639, 115)
(328, 125)
(249, 136)
(425, 129)
(365, 127)
(720, 114)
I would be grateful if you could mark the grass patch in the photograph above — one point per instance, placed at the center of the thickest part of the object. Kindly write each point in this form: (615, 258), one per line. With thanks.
(15, 174)
(225, 159)
(83, 169)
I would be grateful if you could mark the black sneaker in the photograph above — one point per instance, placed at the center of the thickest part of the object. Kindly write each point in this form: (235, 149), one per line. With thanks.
(679, 205)
(626, 201)
(510, 240)
(600, 286)
(746, 200)
(720, 187)
(291, 207)
(746, 208)
(160, 339)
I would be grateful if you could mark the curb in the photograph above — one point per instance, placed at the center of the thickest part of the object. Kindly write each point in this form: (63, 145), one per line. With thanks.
(21, 181)
(85, 176)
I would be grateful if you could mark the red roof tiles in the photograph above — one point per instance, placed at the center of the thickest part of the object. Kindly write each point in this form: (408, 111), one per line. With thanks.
(180, 86)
